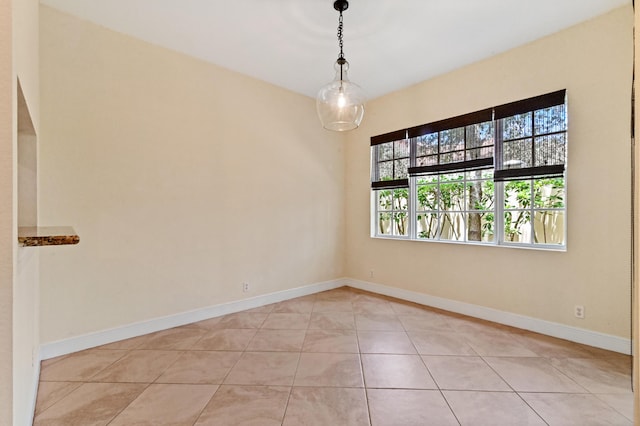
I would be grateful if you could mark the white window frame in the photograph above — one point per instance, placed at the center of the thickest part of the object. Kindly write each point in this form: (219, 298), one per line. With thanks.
(499, 210)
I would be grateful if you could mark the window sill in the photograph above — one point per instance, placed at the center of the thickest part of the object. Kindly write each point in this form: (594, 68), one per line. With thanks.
(541, 247)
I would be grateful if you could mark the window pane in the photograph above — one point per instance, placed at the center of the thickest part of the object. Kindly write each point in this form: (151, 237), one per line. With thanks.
(424, 180)
(480, 174)
(550, 120)
(401, 168)
(452, 226)
(385, 170)
(517, 227)
(480, 226)
(400, 222)
(549, 227)
(385, 151)
(400, 199)
(516, 126)
(384, 223)
(385, 198)
(517, 194)
(427, 225)
(427, 197)
(549, 193)
(429, 160)
(427, 144)
(517, 154)
(480, 135)
(452, 140)
(550, 150)
(479, 195)
(401, 148)
(484, 152)
(451, 192)
(451, 157)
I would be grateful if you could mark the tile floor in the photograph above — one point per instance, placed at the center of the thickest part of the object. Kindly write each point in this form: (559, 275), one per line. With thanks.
(341, 357)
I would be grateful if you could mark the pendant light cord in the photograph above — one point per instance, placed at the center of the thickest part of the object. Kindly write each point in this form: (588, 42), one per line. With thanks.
(340, 36)
(341, 59)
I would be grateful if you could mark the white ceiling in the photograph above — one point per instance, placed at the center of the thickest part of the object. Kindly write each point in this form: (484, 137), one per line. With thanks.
(390, 44)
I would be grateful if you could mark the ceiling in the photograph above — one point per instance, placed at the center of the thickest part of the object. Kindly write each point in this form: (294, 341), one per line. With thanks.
(390, 44)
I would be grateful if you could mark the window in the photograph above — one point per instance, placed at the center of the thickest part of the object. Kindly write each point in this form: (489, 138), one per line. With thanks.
(495, 176)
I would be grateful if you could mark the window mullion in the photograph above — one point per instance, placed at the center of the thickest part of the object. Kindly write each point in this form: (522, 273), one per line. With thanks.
(413, 196)
(498, 187)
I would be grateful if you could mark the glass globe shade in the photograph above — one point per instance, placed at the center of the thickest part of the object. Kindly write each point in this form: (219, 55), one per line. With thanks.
(340, 104)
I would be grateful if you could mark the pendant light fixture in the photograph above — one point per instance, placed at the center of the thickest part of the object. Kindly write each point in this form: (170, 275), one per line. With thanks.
(340, 103)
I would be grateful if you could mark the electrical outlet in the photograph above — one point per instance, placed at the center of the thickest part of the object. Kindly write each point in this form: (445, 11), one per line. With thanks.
(578, 311)
(245, 287)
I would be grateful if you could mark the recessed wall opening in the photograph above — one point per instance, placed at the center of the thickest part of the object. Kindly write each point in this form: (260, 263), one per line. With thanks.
(27, 165)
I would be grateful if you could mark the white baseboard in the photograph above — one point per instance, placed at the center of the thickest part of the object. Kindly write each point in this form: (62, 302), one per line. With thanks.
(574, 334)
(91, 340)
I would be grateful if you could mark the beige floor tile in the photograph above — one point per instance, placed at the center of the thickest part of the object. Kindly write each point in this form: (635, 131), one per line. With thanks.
(294, 306)
(207, 324)
(440, 343)
(287, 321)
(378, 322)
(341, 294)
(550, 347)
(464, 373)
(370, 307)
(310, 359)
(240, 320)
(574, 410)
(126, 344)
(266, 309)
(465, 324)
(385, 342)
(326, 369)
(344, 341)
(137, 366)
(80, 366)
(245, 406)
(277, 340)
(497, 344)
(332, 321)
(164, 404)
(92, 404)
(47, 362)
(411, 309)
(491, 409)
(424, 323)
(621, 402)
(51, 392)
(173, 339)
(226, 340)
(326, 406)
(200, 367)
(405, 407)
(597, 375)
(533, 375)
(264, 368)
(396, 371)
(332, 306)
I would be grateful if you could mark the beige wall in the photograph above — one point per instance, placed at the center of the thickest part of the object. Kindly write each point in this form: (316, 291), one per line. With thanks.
(7, 233)
(26, 284)
(593, 61)
(18, 268)
(636, 222)
(182, 179)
